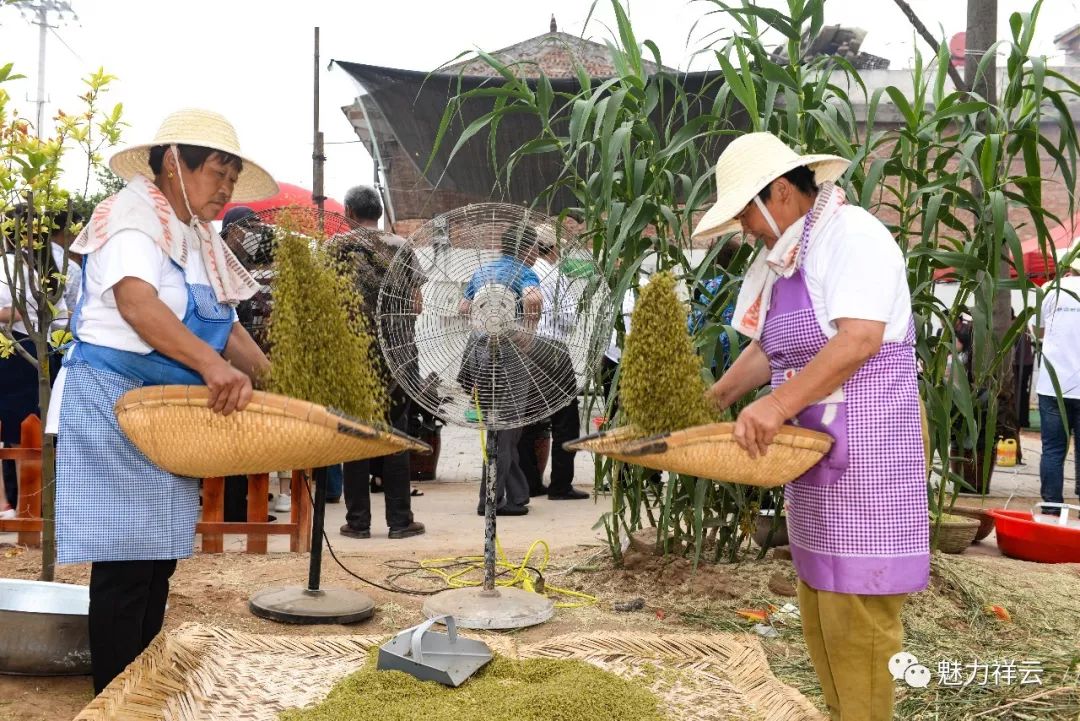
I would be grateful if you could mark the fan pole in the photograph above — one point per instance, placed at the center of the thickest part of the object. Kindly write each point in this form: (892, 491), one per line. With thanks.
(318, 520)
(312, 605)
(490, 499)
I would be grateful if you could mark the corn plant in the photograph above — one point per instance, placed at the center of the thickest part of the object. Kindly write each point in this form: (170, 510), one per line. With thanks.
(956, 180)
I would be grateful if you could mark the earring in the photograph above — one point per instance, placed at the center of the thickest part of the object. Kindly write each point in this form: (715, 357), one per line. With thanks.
(170, 174)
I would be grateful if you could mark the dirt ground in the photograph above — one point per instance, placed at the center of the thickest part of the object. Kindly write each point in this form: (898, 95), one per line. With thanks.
(664, 595)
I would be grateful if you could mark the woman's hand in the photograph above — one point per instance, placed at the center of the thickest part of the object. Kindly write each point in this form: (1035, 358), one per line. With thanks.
(758, 424)
(230, 388)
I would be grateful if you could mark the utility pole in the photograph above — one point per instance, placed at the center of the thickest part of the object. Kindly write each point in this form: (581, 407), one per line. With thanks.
(36, 12)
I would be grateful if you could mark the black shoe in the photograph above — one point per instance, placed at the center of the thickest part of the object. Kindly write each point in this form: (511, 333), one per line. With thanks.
(539, 491)
(376, 484)
(571, 495)
(351, 532)
(413, 529)
(335, 499)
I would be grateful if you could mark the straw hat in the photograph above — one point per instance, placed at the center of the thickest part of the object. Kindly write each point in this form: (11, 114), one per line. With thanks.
(748, 164)
(205, 129)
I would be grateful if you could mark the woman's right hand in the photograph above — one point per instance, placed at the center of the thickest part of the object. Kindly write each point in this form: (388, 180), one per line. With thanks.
(230, 388)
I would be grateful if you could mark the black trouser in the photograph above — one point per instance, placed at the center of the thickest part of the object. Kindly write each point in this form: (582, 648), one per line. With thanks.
(127, 607)
(395, 478)
(530, 462)
(565, 426)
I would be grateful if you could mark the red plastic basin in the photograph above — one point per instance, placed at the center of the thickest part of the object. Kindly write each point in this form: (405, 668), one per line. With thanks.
(1019, 536)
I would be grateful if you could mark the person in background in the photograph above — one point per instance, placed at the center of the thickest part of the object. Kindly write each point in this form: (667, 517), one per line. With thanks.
(513, 272)
(1059, 327)
(827, 307)
(1023, 369)
(249, 241)
(19, 377)
(705, 297)
(368, 256)
(160, 288)
(552, 356)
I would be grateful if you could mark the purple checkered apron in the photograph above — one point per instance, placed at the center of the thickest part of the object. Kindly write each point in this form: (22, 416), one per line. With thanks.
(858, 519)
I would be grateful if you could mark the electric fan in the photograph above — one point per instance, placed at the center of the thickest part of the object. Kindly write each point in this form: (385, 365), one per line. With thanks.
(471, 337)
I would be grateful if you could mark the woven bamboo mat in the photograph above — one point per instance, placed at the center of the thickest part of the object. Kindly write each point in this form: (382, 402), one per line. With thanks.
(201, 673)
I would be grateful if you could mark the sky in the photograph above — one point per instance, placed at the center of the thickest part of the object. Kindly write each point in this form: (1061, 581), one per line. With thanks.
(252, 60)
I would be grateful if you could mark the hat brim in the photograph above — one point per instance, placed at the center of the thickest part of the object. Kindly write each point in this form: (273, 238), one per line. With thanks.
(253, 183)
(721, 218)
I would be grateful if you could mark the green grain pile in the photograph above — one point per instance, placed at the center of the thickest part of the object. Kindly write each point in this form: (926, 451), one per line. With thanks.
(504, 690)
(321, 349)
(662, 388)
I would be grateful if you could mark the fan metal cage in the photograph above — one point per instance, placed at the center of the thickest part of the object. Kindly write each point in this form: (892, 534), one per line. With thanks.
(482, 327)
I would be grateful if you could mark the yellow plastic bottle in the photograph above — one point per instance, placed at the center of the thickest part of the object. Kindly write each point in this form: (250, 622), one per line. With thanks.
(1006, 452)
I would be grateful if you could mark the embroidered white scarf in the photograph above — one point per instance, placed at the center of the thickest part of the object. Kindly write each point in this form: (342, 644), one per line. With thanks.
(780, 262)
(141, 206)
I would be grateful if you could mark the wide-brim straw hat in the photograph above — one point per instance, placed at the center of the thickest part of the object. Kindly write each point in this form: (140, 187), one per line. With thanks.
(748, 164)
(206, 129)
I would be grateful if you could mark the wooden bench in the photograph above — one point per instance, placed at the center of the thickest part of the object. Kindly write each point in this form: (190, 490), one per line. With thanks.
(212, 526)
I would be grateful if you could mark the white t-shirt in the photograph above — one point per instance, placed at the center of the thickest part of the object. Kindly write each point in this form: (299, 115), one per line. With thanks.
(128, 254)
(1060, 318)
(855, 269)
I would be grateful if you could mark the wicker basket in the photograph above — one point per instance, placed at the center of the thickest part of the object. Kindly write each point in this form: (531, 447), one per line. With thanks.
(986, 521)
(955, 536)
(710, 451)
(176, 430)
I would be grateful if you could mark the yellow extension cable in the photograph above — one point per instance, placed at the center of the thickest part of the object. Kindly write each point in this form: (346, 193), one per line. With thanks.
(519, 573)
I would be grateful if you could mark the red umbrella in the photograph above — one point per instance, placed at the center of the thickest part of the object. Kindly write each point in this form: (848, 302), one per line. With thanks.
(1037, 268)
(1041, 268)
(288, 195)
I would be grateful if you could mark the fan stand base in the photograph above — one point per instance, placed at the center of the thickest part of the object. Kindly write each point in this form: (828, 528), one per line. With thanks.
(293, 604)
(499, 609)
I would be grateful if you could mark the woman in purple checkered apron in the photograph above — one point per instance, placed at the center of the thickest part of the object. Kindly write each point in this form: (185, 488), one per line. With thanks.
(157, 307)
(827, 306)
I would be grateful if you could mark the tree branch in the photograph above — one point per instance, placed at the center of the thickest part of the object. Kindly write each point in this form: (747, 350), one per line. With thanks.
(932, 41)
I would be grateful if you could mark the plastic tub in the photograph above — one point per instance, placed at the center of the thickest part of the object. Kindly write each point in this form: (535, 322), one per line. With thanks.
(1019, 535)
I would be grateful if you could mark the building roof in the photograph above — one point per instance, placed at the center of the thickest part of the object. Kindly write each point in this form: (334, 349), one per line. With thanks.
(1068, 37)
(555, 53)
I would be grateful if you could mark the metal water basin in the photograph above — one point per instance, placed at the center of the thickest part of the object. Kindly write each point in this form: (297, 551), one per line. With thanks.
(44, 628)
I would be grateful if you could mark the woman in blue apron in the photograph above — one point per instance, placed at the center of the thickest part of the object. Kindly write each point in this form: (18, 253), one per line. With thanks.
(159, 288)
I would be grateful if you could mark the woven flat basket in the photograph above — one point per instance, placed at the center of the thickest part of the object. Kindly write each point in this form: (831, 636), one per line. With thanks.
(174, 428)
(201, 673)
(710, 451)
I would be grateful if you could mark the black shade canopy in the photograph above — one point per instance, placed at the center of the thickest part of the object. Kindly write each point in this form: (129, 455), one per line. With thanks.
(404, 109)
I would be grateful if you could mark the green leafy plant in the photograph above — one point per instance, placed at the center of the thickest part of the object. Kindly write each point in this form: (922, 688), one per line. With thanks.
(30, 179)
(957, 179)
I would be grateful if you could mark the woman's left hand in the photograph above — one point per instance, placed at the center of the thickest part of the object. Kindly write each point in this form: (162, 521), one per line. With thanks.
(758, 424)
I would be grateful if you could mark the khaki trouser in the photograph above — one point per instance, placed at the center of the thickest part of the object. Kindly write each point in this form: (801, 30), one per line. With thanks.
(851, 639)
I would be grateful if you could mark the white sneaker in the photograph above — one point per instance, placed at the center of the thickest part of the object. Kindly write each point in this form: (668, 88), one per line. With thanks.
(7, 515)
(283, 503)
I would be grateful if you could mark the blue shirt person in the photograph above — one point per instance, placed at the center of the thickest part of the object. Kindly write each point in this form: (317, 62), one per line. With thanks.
(508, 271)
(695, 322)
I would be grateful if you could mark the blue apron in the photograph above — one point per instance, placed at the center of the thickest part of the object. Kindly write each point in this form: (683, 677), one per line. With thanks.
(112, 503)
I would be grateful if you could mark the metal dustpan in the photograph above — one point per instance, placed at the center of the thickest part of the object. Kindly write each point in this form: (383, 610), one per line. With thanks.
(431, 656)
